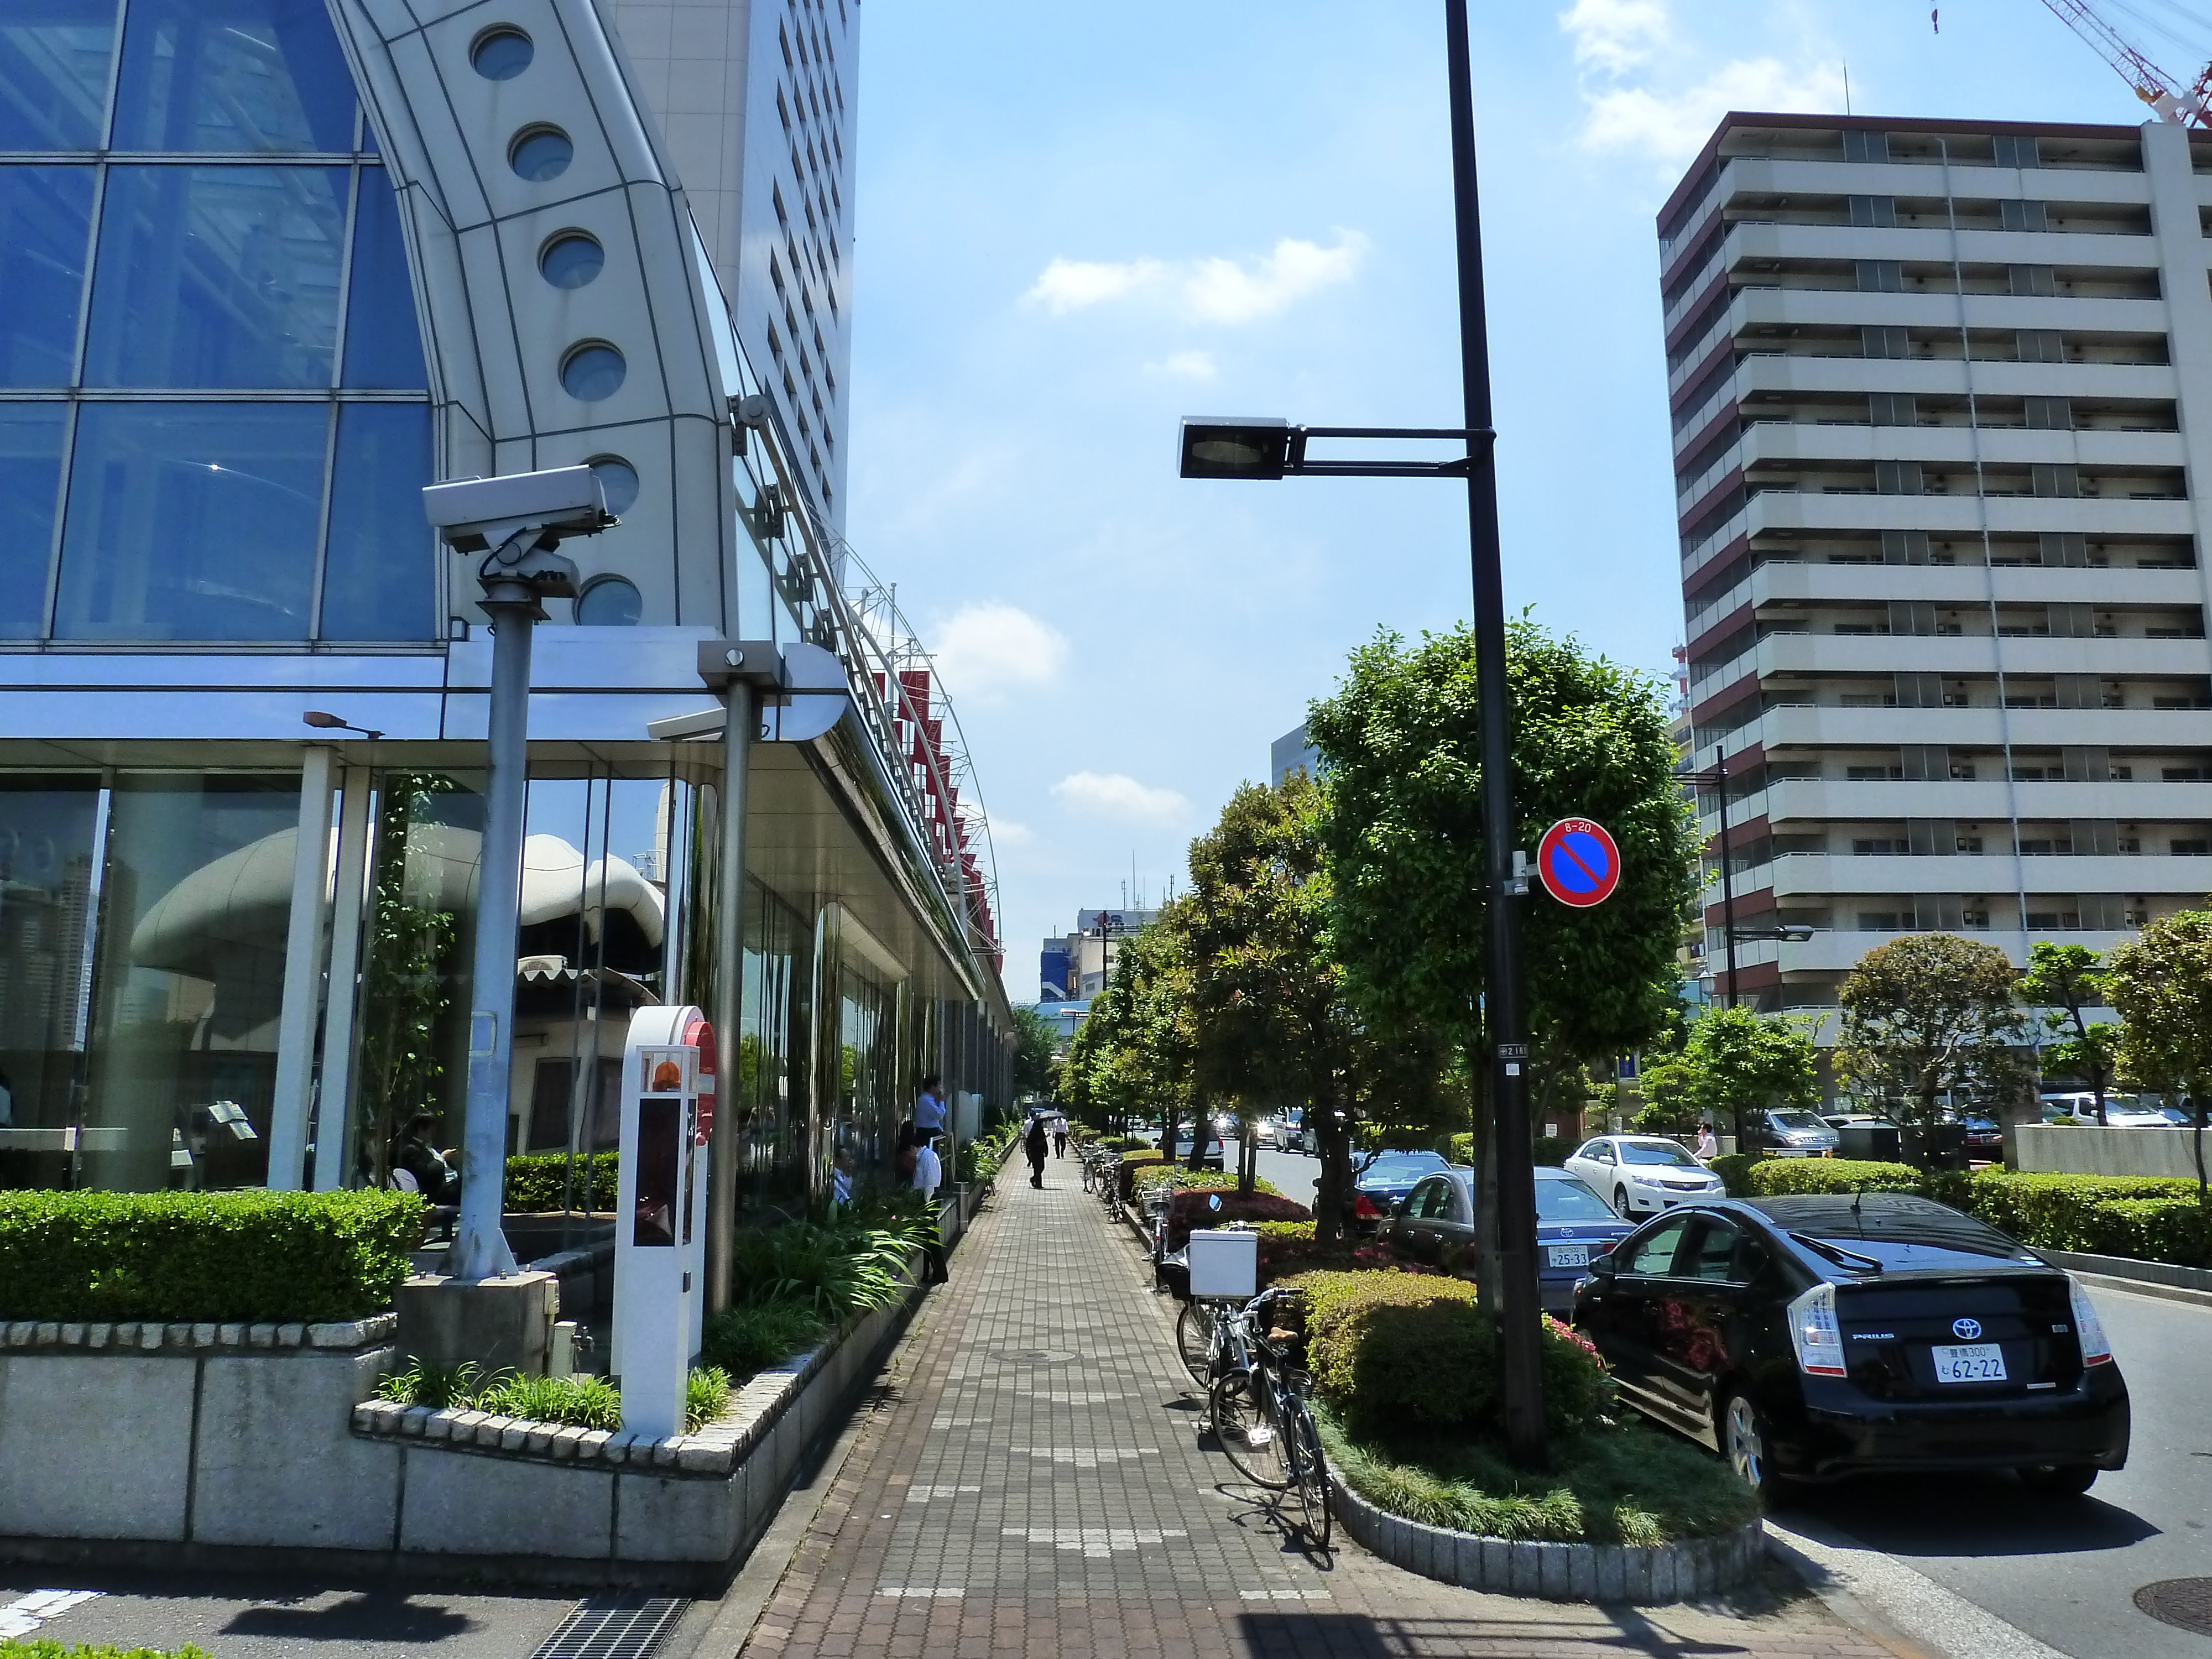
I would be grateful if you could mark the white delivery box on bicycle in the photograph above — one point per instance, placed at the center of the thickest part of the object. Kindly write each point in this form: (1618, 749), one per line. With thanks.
(1224, 1262)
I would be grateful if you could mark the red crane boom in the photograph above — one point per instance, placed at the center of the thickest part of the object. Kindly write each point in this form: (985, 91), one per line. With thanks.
(2163, 92)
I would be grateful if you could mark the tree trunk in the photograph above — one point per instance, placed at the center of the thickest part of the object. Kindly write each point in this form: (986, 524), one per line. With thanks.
(1200, 1128)
(1247, 1159)
(1489, 1241)
(2196, 1146)
(1333, 1187)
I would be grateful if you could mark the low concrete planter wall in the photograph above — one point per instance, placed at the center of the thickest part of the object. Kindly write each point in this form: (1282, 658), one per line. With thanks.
(172, 1451)
(2066, 1149)
(1556, 1572)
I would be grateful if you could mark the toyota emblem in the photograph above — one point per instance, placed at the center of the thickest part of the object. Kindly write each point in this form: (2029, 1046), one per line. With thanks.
(1966, 1329)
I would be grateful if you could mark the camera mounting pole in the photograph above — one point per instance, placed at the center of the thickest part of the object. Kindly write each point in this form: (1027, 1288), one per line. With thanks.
(519, 522)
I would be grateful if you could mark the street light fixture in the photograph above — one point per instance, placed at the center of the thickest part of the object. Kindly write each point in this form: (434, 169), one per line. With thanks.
(323, 722)
(1269, 448)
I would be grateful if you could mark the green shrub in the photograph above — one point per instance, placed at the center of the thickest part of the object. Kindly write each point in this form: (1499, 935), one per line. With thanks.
(1734, 1170)
(204, 1257)
(1773, 1177)
(1400, 1351)
(834, 1272)
(747, 1340)
(1146, 1179)
(1551, 1151)
(535, 1181)
(1187, 1210)
(2151, 1218)
(706, 1391)
(583, 1402)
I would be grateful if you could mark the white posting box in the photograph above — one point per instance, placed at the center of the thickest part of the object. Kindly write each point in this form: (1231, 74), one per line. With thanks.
(661, 1226)
(1224, 1264)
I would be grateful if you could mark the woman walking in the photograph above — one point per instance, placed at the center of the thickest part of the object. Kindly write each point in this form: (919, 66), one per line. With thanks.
(1036, 1144)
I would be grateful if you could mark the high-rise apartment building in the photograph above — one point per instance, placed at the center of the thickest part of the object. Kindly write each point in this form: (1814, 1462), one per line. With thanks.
(1941, 397)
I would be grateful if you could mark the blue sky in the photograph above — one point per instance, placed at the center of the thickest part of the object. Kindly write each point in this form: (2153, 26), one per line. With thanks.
(1077, 224)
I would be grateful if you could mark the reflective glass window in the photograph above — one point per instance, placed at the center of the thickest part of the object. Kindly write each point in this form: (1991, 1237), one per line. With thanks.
(192, 521)
(384, 341)
(379, 580)
(30, 479)
(54, 57)
(232, 76)
(610, 602)
(221, 276)
(46, 887)
(45, 225)
(195, 901)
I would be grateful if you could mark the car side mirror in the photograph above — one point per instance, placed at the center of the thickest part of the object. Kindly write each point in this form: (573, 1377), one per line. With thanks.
(1602, 1264)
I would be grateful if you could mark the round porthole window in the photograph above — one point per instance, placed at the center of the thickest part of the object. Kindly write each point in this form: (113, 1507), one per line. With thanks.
(593, 371)
(571, 260)
(610, 602)
(502, 54)
(541, 153)
(617, 483)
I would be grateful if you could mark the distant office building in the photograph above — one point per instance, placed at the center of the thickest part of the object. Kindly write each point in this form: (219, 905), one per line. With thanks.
(1942, 406)
(1290, 753)
(1076, 966)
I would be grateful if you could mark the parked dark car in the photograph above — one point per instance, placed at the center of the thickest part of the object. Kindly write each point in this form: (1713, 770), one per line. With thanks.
(1381, 1188)
(1811, 1337)
(1573, 1223)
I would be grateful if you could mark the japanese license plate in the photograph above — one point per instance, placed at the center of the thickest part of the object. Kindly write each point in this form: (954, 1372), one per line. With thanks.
(1567, 1255)
(1972, 1361)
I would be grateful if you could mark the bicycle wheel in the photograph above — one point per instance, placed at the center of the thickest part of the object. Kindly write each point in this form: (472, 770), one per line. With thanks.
(1194, 1340)
(1246, 1429)
(1310, 1473)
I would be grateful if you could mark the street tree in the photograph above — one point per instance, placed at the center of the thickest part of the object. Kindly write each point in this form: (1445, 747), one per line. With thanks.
(2161, 983)
(1134, 1050)
(1927, 1015)
(1733, 1062)
(1400, 747)
(1036, 1043)
(2062, 980)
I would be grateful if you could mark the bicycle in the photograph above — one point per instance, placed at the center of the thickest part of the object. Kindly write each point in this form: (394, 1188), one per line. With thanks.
(1256, 1406)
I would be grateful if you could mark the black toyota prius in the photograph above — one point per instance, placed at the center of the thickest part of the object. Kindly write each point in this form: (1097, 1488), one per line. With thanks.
(1814, 1337)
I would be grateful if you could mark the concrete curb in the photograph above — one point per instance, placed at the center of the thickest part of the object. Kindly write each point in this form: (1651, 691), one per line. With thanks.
(1621, 1573)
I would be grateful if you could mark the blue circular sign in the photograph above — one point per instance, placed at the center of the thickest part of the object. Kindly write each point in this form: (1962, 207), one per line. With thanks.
(1578, 863)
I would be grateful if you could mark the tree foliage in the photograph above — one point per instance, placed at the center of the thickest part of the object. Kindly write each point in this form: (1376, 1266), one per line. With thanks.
(1134, 1050)
(1037, 1042)
(1930, 1014)
(1733, 1062)
(2063, 979)
(1400, 746)
(2160, 982)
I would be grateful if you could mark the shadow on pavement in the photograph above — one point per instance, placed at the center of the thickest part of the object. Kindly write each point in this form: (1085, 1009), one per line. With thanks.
(1359, 1636)
(365, 1616)
(1966, 1515)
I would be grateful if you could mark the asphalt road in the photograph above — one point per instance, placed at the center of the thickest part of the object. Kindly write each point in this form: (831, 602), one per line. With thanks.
(2065, 1572)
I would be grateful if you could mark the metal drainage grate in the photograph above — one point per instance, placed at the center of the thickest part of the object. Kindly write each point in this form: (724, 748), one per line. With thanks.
(614, 1627)
(2184, 1603)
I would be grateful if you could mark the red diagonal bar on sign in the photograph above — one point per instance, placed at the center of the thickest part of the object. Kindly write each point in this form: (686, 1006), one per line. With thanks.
(1596, 878)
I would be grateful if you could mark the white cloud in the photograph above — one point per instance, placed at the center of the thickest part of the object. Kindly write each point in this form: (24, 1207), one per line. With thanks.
(1005, 832)
(1071, 284)
(1644, 90)
(1223, 291)
(986, 648)
(1212, 290)
(1671, 128)
(1187, 366)
(1615, 35)
(1117, 795)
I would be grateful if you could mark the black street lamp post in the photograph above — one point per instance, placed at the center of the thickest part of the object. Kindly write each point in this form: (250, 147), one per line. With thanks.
(1276, 449)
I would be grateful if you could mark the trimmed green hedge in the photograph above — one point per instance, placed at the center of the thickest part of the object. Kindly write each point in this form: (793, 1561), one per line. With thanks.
(1396, 1351)
(2146, 1218)
(204, 1257)
(535, 1181)
(1188, 1209)
(1192, 1181)
(1551, 1151)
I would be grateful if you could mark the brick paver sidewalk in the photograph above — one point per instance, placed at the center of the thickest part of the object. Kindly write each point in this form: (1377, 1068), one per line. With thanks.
(1032, 1484)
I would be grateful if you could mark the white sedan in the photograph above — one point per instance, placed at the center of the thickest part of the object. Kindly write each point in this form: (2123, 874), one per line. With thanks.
(1641, 1175)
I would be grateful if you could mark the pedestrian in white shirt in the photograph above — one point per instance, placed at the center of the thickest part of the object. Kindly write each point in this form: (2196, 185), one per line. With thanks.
(919, 1162)
(1707, 1147)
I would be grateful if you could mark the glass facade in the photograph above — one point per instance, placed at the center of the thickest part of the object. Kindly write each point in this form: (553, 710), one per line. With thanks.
(214, 419)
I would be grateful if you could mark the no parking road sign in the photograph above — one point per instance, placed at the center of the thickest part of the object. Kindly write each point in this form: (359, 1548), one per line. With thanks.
(1577, 863)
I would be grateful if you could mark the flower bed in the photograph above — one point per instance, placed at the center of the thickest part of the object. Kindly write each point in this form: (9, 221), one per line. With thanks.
(1190, 1208)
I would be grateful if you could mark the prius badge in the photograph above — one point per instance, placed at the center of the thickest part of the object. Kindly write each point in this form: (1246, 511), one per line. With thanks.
(1966, 1329)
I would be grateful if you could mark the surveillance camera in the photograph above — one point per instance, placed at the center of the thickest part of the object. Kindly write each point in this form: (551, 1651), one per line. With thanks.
(473, 515)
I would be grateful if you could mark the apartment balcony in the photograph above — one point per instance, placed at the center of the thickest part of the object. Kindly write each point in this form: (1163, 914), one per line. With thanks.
(1937, 308)
(1934, 244)
(2170, 729)
(1783, 442)
(1760, 175)
(1836, 950)
(1779, 371)
(1969, 584)
(1814, 875)
(1972, 653)
(1966, 515)
(1795, 805)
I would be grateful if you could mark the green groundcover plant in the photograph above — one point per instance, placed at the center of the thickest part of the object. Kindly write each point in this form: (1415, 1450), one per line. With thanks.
(204, 1257)
(577, 1402)
(45, 1648)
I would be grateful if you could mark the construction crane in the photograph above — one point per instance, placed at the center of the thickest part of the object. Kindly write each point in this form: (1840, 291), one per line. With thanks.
(2185, 105)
